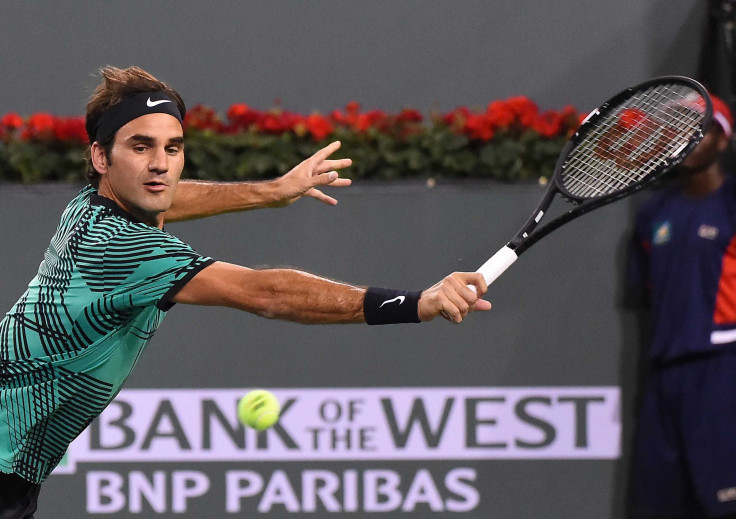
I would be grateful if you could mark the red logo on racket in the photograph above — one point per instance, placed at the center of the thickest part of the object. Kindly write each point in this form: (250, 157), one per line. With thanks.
(634, 139)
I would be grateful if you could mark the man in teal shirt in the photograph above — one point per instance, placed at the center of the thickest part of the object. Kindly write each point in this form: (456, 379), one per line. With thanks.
(111, 272)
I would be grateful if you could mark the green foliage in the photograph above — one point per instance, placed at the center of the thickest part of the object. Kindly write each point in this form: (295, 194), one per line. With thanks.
(436, 153)
(30, 162)
(510, 141)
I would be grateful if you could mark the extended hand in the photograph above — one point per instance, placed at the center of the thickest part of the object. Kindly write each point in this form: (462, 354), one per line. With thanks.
(452, 299)
(315, 171)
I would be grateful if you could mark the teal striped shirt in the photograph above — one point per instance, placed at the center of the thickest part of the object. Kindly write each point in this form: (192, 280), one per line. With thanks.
(72, 339)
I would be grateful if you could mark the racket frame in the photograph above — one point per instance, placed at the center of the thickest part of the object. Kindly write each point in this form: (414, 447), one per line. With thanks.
(528, 236)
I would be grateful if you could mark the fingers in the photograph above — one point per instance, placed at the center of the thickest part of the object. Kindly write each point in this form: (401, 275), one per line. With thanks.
(326, 151)
(453, 298)
(341, 182)
(322, 165)
(326, 166)
(475, 279)
(454, 307)
(332, 178)
(481, 305)
(319, 195)
(459, 299)
(324, 172)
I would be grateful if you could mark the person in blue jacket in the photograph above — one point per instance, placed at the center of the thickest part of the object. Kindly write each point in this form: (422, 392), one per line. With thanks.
(684, 261)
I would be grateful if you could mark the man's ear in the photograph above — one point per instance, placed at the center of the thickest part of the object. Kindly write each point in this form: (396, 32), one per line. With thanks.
(99, 158)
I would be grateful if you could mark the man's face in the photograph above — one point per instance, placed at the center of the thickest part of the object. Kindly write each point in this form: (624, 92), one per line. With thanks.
(146, 161)
(707, 152)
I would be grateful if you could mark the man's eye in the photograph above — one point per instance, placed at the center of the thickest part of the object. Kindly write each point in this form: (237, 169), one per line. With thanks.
(140, 149)
(173, 150)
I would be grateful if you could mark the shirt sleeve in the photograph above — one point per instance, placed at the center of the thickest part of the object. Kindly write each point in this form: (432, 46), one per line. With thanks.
(159, 265)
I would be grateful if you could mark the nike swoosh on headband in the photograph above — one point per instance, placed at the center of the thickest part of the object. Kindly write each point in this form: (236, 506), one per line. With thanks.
(150, 103)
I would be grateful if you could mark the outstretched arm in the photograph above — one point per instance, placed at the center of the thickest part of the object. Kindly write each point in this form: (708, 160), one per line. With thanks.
(301, 297)
(199, 199)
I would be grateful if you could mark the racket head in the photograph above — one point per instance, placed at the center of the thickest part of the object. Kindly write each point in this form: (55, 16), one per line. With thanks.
(633, 139)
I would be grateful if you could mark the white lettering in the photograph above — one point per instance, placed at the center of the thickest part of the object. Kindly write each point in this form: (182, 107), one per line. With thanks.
(154, 492)
(350, 490)
(341, 424)
(279, 492)
(320, 484)
(104, 492)
(423, 490)
(240, 484)
(458, 481)
(185, 485)
(321, 490)
(381, 491)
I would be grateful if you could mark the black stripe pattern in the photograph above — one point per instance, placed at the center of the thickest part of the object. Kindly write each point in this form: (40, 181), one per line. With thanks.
(71, 340)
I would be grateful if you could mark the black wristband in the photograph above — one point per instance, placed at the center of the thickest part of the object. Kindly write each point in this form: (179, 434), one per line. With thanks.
(386, 306)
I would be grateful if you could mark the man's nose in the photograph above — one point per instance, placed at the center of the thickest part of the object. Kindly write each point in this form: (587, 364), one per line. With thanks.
(159, 161)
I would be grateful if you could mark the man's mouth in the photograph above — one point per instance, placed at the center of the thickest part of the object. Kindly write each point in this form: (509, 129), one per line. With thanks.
(155, 185)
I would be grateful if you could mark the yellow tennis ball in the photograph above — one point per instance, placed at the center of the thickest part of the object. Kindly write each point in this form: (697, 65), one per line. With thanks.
(259, 409)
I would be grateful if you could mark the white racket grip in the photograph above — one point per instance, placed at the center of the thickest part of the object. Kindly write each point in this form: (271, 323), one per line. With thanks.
(497, 264)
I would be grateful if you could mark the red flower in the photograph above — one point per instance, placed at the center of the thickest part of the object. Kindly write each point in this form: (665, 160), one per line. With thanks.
(548, 124)
(513, 115)
(521, 104)
(291, 120)
(11, 121)
(372, 119)
(409, 116)
(237, 111)
(241, 117)
(202, 118)
(479, 127)
(70, 129)
(456, 119)
(39, 126)
(338, 117)
(270, 123)
(347, 118)
(318, 126)
(279, 121)
(500, 114)
(524, 109)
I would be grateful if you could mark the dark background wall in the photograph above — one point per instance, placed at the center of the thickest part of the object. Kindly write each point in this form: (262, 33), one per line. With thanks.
(556, 324)
(320, 55)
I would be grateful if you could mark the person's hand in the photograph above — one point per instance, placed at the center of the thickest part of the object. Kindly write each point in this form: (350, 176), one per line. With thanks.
(304, 179)
(453, 299)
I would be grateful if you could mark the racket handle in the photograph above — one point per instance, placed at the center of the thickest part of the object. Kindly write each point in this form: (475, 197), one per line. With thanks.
(497, 264)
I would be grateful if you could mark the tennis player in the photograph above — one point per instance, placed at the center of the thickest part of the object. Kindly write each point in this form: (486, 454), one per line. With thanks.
(684, 258)
(111, 272)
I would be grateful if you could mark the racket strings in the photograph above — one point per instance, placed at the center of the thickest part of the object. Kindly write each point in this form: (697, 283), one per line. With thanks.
(634, 160)
(593, 175)
(634, 139)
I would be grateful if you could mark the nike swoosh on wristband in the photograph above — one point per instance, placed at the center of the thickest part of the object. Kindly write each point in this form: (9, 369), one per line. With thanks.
(151, 104)
(400, 299)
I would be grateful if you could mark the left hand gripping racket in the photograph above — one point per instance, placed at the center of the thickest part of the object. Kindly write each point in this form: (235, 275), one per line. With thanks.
(621, 147)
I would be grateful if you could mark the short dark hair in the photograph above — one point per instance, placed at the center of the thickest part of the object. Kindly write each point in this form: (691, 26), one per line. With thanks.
(116, 85)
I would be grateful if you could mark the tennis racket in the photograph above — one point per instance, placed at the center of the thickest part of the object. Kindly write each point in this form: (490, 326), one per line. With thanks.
(621, 147)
